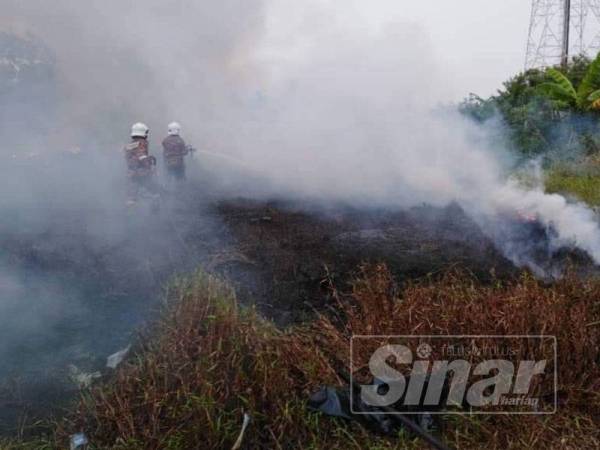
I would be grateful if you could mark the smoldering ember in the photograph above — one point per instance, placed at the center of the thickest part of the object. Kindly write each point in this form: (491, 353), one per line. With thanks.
(281, 224)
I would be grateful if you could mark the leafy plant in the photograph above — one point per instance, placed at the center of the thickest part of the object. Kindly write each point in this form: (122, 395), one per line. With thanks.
(550, 112)
(563, 94)
(561, 91)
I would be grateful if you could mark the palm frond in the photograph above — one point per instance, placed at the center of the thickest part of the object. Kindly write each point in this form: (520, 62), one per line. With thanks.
(561, 104)
(591, 81)
(557, 93)
(560, 79)
(594, 96)
(594, 100)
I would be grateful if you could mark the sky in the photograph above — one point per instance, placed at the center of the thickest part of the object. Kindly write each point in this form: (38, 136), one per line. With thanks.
(482, 42)
(478, 43)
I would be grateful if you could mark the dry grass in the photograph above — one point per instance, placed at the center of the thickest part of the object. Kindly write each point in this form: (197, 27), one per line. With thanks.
(209, 361)
(458, 304)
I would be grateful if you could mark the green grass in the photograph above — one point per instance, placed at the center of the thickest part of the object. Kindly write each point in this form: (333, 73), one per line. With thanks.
(18, 444)
(579, 181)
(583, 185)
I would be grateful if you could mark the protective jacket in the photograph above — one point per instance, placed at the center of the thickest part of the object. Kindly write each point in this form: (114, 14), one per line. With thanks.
(174, 150)
(139, 161)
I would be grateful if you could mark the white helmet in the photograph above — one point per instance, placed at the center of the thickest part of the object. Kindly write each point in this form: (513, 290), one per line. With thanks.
(174, 129)
(139, 130)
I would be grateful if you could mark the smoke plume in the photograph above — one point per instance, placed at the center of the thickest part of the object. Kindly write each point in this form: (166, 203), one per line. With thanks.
(311, 98)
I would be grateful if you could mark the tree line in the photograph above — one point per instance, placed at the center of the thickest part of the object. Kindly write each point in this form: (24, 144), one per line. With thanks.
(555, 112)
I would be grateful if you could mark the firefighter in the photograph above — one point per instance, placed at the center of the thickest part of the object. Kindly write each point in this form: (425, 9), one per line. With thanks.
(140, 164)
(174, 151)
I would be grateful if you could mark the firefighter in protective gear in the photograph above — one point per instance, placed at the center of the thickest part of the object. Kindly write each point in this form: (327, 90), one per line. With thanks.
(174, 151)
(140, 164)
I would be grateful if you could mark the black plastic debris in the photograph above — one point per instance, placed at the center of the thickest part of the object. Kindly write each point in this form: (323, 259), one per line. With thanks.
(329, 400)
(388, 420)
(336, 403)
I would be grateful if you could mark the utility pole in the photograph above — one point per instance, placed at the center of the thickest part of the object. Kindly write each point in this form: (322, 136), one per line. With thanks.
(560, 29)
(564, 57)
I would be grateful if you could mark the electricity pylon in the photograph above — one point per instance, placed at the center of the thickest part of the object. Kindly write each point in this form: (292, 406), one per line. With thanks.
(560, 29)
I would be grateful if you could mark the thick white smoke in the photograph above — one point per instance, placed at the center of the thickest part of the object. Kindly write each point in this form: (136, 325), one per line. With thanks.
(310, 96)
(574, 223)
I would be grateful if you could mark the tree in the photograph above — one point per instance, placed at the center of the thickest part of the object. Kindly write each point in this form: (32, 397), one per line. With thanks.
(534, 121)
(562, 93)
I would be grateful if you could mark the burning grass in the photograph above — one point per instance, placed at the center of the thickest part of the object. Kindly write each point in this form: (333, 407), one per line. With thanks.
(209, 361)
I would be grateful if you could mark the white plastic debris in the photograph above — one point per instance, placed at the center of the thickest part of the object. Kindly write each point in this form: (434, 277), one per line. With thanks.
(114, 360)
(238, 443)
(78, 441)
(82, 379)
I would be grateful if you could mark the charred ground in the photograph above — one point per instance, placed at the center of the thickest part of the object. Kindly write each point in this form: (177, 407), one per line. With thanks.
(88, 278)
(285, 250)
